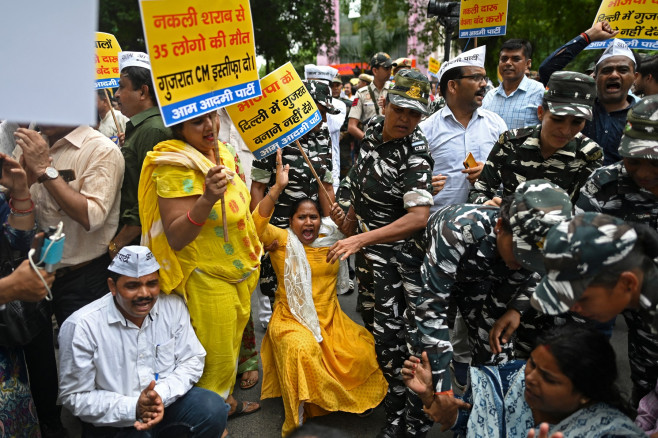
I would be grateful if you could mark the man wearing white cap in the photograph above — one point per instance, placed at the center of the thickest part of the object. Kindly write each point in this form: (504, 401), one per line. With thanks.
(461, 126)
(129, 360)
(137, 101)
(614, 73)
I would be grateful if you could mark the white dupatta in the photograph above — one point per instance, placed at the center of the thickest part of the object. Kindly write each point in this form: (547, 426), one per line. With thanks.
(297, 276)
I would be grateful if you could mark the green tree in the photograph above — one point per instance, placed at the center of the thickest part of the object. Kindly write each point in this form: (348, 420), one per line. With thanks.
(292, 30)
(121, 18)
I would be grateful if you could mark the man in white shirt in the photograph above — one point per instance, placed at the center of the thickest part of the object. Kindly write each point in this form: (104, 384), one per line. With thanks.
(461, 127)
(107, 125)
(516, 99)
(129, 360)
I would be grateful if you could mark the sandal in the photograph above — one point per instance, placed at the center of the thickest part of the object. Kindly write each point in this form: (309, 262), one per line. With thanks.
(244, 408)
(248, 383)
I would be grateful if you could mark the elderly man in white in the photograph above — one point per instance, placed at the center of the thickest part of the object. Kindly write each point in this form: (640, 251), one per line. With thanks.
(129, 360)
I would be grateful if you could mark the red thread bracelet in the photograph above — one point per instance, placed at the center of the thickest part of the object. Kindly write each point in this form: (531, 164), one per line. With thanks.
(20, 200)
(192, 221)
(29, 210)
(584, 35)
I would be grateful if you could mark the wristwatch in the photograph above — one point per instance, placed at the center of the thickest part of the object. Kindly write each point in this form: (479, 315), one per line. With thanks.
(112, 246)
(49, 174)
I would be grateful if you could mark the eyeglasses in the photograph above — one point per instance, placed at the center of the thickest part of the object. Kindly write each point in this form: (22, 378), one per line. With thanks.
(476, 78)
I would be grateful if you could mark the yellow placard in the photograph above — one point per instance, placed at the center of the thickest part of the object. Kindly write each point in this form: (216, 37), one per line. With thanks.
(202, 54)
(107, 61)
(482, 18)
(636, 20)
(284, 113)
(434, 66)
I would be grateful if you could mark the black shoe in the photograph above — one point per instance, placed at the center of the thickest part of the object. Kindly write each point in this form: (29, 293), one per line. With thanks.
(53, 430)
(391, 431)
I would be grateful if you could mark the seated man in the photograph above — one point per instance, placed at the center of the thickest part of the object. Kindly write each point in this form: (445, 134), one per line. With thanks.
(129, 360)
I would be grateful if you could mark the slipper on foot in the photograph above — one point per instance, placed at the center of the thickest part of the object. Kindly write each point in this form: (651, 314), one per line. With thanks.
(244, 408)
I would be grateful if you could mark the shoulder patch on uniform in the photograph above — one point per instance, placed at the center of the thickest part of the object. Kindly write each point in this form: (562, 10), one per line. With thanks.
(419, 145)
(594, 155)
(355, 101)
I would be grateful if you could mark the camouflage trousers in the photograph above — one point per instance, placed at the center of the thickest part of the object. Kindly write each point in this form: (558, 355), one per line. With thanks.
(403, 407)
(365, 301)
(642, 355)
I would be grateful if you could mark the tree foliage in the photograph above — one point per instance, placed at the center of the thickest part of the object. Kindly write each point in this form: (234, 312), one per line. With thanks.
(121, 18)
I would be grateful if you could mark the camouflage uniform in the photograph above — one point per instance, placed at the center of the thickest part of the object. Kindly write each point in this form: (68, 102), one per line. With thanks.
(436, 105)
(611, 190)
(575, 253)
(302, 184)
(516, 157)
(388, 179)
(462, 263)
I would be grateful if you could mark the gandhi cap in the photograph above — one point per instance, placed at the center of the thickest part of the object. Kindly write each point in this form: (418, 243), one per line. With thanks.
(319, 72)
(411, 90)
(472, 58)
(617, 47)
(570, 93)
(575, 253)
(134, 59)
(640, 139)
(320, 92)
(536, 207)
(134, 261)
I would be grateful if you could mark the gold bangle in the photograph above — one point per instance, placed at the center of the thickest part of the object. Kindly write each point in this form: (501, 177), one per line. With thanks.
(270, 196)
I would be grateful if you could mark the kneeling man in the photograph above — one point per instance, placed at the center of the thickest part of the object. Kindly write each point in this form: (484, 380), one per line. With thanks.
(129, 360)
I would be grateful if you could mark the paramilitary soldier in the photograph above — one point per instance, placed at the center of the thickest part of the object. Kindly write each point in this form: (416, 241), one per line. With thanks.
(484, 258)
(389, 190)
(554, 150)
(628, 190)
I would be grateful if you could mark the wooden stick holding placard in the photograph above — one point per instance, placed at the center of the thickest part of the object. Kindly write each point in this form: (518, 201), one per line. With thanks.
(109, 102)
(317, 178)
(215, 132)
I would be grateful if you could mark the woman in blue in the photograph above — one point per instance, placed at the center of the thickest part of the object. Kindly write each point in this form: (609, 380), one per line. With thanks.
(568, 383)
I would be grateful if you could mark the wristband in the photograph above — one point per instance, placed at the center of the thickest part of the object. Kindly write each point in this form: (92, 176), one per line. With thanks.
(193, 222)
(584, 35)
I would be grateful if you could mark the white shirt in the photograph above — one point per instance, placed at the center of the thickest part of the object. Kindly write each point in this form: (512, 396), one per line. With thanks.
(105, 361)
(450, 143)
(108, 128)
(334, 122)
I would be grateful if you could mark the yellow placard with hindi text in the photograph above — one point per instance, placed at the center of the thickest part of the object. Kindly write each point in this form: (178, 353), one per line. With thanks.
(636, 20)
(107, 61)
(482, 18)
(284, 113)
(203, 55)
(434, 66)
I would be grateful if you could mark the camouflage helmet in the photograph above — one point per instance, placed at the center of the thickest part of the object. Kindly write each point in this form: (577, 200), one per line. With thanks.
(575, 253)
(570, 93)
(411, 90)
(320, 92)
(381, 59)
(537, 206)
(640, 139)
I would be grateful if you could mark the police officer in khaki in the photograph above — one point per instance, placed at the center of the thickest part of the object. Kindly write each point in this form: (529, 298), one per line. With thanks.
(365, 103)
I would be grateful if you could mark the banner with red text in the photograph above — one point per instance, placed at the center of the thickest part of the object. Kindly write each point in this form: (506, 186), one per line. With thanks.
(482, 18)
(284, 113)
(202, 53)
(107, 61)
(636, 20)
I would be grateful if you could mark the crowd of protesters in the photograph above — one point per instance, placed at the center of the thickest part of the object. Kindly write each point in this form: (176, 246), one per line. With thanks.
(492, 234)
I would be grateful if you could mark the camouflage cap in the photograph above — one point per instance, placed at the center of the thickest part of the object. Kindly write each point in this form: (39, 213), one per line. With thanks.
(640, 139)
(575, 253)
(411, 90)
(321, 93)
(570, 93)
(381, 59)
(537, 206)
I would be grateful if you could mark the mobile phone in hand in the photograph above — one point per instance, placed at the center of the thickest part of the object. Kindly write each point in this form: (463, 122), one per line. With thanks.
(470, 162)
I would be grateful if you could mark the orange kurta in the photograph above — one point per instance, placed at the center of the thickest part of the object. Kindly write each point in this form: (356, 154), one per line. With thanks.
(340, 373)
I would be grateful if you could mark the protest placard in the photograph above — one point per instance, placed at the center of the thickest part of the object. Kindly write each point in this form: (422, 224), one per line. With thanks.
(48, 72)
(482, 18)
(434, 66)
(107, 61)
(203, 55)
(283, 114)
(636, 20)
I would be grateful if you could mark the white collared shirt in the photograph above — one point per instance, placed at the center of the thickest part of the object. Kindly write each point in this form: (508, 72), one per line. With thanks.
(334, 122)
(106, 361)
(450, 143)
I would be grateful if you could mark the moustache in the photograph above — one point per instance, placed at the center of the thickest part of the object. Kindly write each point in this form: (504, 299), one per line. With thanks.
(144, 300)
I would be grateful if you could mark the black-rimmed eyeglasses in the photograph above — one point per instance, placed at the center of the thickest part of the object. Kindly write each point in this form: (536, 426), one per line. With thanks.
(476, 78)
